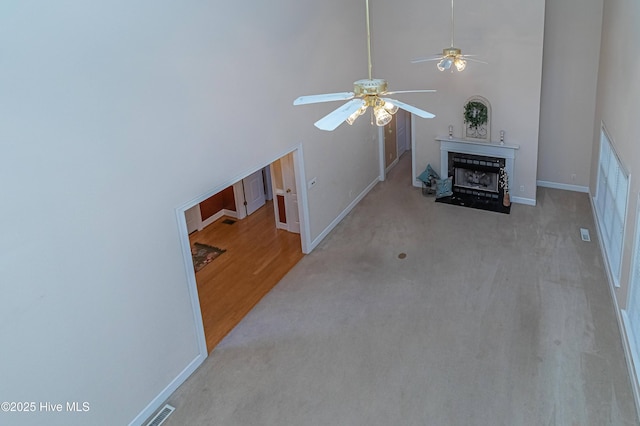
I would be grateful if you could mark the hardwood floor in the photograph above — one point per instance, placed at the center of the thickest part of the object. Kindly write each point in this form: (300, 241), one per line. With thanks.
(258, 256)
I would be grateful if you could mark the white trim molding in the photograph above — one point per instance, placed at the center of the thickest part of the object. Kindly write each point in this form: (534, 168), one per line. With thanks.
(563, 186)
(211, 219)
(343, 214)
(522, 200)
(148, 411)
(631, 356)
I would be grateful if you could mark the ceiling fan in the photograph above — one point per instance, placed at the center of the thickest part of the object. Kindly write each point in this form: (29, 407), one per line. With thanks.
(366, 93)
(450, 55)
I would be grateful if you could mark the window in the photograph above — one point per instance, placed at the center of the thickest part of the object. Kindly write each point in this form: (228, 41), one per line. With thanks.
(611, 204)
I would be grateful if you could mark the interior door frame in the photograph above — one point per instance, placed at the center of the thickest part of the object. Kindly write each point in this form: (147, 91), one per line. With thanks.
(305, 239)
(406, 127)
(391, 131)
(382, 170)
(291, 208)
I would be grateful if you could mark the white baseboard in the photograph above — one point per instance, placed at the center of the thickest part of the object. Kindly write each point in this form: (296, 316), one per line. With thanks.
(565, 186)
(168, 391)
(392, 165)
(522, 200)
(211, 219)
(342, 215)
(231, 213)
(632, 359)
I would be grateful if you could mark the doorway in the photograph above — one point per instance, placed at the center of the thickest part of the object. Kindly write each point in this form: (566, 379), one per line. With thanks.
(286, 206)
(396, 138)
(257, 255)
(254, 191)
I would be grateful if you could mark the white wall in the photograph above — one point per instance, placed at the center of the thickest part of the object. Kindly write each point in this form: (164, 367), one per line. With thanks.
(616, 107)
(112, 115)
(569, 81)
(506, 34)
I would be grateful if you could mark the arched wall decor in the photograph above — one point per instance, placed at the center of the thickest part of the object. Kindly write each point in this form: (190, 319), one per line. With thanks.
(476, 122)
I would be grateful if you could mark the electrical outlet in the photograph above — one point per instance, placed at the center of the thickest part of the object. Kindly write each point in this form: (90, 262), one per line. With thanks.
(573, 177)
(521, 188)
(584, 234)
(312, 182)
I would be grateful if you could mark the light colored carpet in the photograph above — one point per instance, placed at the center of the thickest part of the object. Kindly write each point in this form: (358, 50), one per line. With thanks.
(491, 319)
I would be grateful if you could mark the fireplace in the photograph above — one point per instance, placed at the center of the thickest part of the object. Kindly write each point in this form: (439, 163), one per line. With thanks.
(475, 181)
(474, 168)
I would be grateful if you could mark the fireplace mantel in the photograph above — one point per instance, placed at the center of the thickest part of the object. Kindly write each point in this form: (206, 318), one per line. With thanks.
(493, 149)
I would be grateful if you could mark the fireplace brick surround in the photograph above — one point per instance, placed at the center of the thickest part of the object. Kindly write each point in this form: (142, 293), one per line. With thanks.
(474, 167)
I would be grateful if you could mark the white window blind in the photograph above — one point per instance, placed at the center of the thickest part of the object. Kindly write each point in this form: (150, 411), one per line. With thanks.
(611, 204)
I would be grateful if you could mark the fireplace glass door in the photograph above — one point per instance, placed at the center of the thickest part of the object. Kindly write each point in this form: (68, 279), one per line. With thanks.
(476, 179)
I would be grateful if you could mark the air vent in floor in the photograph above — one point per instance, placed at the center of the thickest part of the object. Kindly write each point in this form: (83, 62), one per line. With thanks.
(162, 415)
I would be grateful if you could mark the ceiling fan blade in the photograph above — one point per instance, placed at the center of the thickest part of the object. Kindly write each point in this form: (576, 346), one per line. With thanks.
(327, 97)
(466, 58)
(410, 91)
(427, 59)
(335, 118)
(409, 108)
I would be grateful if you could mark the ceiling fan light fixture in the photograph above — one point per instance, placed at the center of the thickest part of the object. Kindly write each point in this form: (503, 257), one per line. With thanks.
(451, 52)
(382, 116)
(450, 55)
(353, 117)
(390, 107)
(445, 64)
